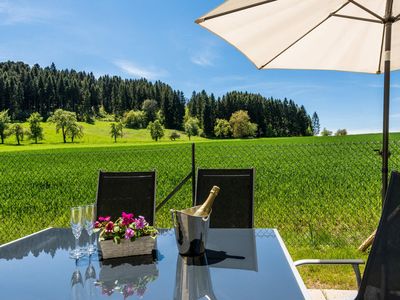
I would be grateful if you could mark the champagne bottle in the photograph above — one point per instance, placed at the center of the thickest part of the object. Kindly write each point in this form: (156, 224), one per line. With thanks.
(205, 209)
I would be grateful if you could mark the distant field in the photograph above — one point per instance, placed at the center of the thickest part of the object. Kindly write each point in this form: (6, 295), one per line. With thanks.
(321, 193)
(95, 135)
(98, 135)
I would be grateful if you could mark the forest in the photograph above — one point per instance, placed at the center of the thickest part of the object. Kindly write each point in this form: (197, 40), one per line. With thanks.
(26, 89)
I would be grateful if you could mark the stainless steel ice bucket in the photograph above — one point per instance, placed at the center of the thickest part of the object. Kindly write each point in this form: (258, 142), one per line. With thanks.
(190, 231)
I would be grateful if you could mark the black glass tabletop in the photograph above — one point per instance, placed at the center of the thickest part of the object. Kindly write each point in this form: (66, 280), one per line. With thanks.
(239, 264)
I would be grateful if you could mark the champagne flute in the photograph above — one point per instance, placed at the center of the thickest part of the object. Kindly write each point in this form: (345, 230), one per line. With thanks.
(76, 226)
(89, 216)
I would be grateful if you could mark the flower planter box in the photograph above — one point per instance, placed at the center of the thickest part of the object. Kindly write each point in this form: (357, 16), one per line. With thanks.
(141, 246)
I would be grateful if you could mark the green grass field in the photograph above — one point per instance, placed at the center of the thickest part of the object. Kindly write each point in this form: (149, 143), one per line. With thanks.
(323, 194)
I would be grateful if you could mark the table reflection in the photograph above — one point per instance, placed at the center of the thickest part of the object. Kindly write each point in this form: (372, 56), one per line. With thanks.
(193, 280)
(90, 280)
(128, 276)
(77, 289)
(253, 258)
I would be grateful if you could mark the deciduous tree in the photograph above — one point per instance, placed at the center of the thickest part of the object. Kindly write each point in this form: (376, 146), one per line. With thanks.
(35, 128)
(326, 132)
(135, 119)
(341, 132)
(75, 130)
(116, 131)
(18, 131)
(222, 128)
(63, 119)
(241, 125)
(156, 130)
(192, 127)
(174, 135)
(4, 124)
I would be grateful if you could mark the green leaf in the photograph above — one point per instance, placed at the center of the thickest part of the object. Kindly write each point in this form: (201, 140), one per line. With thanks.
(117, 239)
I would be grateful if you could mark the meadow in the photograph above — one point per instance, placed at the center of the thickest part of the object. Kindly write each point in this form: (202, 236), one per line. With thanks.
(322, 193)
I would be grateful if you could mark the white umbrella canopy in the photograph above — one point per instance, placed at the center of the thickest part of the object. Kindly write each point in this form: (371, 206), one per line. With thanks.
(308, 34)
(342, 35)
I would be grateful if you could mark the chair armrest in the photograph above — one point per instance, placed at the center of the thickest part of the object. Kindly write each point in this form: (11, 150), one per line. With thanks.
(353, 262)
(328, 262)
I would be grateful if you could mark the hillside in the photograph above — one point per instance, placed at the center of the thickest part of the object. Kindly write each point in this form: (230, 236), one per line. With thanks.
(98, 135)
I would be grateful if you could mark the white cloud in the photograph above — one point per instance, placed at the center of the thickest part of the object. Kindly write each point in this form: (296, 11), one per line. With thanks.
(202, 59)
(205, 55)
(20, 12)
(133, 69)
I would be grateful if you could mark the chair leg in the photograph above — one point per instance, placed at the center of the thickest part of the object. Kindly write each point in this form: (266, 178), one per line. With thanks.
(356, 269)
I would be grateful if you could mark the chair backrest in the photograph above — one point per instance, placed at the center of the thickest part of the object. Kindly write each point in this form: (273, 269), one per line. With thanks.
(132, 192)
(382, 273)
(233, 207)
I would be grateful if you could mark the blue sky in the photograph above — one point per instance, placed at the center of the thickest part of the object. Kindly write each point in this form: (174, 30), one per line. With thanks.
(158, 39)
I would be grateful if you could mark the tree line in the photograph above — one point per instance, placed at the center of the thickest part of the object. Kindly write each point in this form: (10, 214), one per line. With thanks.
(25, 90)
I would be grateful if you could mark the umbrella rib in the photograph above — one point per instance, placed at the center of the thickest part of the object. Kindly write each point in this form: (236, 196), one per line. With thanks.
(357, 18)
(367, 10)
(397, 18)
(201, 20)
(304, 35)
(380, 54)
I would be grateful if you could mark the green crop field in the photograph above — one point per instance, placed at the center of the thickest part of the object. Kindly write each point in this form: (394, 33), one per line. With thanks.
(323, 194)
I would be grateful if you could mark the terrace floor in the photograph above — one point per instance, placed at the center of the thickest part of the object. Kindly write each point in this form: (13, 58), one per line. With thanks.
(332, 294)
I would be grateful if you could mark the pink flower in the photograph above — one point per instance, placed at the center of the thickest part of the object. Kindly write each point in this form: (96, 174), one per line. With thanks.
(127, 291)
(140, 222)
(140, 291)
(104, 219)
(129, 233)
(107, 291)
(97, 224)
(127, 219)
(109, 227)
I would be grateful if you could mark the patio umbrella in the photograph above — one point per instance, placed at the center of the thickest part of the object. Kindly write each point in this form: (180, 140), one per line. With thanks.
(342, 35)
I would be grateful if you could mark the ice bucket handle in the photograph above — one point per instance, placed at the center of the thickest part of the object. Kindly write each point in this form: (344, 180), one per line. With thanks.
(205, 219)
(174, 217)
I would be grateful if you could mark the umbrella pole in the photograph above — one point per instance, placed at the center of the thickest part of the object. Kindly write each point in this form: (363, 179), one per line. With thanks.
(389, 19)
(386, 98)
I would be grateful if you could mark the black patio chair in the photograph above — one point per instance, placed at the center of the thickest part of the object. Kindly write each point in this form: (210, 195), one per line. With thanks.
(133, 192)
(381, 279)
(234, 205)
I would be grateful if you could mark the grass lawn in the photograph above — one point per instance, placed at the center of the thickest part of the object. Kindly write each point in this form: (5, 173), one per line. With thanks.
(322, 193)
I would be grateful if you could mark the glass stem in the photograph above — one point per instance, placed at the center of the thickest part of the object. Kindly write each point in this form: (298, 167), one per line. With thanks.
(76, 244)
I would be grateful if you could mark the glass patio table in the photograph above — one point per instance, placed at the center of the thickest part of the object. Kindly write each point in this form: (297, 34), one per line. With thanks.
(239, 264)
